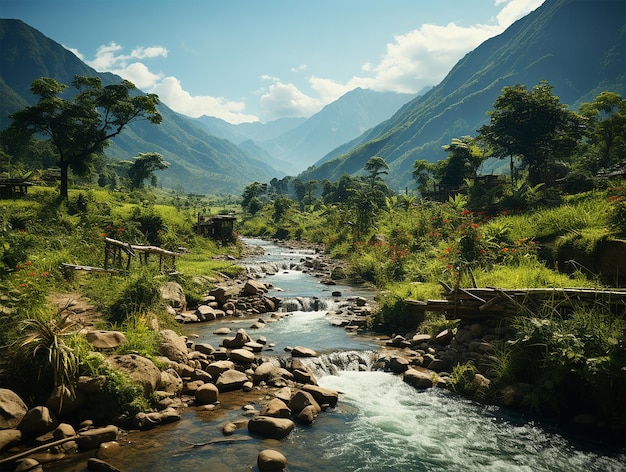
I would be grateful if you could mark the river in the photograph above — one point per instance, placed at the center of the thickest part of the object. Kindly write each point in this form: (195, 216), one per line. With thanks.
(379, 424)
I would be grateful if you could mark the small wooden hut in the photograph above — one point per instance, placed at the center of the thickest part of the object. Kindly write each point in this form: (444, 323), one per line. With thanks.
(218, 227)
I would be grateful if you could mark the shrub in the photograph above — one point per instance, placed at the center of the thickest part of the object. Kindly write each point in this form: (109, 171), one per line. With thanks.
(119, 395)
(140, 294)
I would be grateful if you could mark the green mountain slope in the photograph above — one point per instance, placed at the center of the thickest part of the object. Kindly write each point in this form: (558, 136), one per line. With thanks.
(579, 46)
(200, 163)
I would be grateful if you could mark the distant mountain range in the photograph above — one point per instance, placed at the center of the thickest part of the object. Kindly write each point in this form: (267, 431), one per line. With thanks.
(578, 46)
(297, 142)
(207, 155)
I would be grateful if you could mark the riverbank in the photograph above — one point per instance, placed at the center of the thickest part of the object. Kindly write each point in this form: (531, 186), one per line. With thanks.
(229, 414)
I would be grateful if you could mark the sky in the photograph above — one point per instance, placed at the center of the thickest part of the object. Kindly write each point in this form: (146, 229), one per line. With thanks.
(261, 60)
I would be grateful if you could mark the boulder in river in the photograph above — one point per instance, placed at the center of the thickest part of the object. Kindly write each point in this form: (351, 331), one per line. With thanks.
(276, 428)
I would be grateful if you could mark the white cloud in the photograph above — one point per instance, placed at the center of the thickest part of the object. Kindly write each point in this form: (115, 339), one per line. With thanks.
(174, 96)
(109, 58)
(422, 57)
(419, 58)
(514, 10)
(282, 100)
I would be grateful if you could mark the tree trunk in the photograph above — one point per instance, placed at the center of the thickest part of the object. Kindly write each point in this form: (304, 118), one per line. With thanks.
(64, 168)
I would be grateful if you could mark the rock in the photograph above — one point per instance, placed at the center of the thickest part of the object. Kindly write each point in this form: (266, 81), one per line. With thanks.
(144, 421)
(204, 348)
(173, 346)
(276, 428)
(37, 421)
(224, 293)
(276, 408)
(29, 465)
(222, 331)
(419, 339)
(300, 351)
(323, 396)
(419, 378)
(253, 287)
(171, 382)
(284, 394)
(231, 380)
(302, 399)
(88, 384)
(308, 414)
(108, 449)
(480, 381)
(242, 356)
(63, 401)
(174, 295)
(513, 395)
(304, 377)
(438, 365)
(9, 437)
(12, 409)
(215, 369)
(207, 393)
(240, 339)
(105, 339)
(100, 465)
(139, 369)
(270, 460)
(398, 341)
(64, 430)
(205, 313)
(199, 374)
(92, 438)
(186, 318)
(254, 346)
(264, 372)
(444, 337)
(476, 330)
(398, 365)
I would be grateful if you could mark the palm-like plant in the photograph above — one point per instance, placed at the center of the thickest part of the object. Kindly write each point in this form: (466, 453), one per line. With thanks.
(44, 343)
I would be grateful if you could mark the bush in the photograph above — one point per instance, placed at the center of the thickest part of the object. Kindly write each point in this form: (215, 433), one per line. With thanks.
(119, 395)
(140, 294)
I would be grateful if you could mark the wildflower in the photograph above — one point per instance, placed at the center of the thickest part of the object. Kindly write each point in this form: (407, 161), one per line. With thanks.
(45, 274)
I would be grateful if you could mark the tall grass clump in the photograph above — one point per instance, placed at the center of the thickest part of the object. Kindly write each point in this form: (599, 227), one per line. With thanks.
(139, 294)
(571, 357)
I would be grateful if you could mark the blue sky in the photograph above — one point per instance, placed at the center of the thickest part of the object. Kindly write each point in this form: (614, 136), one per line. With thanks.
(259, 60)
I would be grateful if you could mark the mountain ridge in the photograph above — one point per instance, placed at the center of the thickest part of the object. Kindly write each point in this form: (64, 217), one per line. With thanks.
(544, 45)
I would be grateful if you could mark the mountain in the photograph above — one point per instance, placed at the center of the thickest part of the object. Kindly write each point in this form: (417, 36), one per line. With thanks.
(255, 131)
(300, 142)
(578, 46)
(199, 162)
(338, 122)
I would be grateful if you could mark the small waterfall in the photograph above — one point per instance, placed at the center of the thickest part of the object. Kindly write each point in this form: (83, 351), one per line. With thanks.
(307, 304)
(265, 268)
(339, 361)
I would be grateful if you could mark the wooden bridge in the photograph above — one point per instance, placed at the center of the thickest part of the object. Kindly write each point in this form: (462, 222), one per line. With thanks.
(491, 302)
(115, 250)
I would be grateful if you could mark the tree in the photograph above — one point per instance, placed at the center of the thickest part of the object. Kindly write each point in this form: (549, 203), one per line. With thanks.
(375, 167)
(607, 128)
(462, 162)
(143, 168)
(81, 128)
(252, 192)
(421, 174)
(533, 125)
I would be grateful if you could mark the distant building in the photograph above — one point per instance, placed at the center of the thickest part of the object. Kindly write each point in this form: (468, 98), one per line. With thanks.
(218, 227)
(10, 188)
